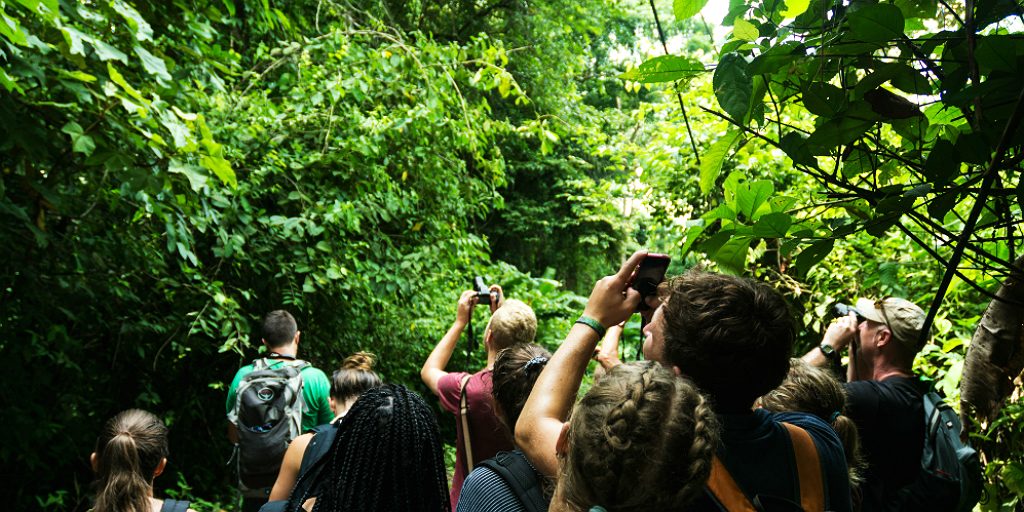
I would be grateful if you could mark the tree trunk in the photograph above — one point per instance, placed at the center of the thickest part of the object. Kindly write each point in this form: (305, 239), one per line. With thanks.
(996, 355)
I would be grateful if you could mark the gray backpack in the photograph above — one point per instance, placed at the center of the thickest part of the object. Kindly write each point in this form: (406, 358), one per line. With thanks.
(268, 414)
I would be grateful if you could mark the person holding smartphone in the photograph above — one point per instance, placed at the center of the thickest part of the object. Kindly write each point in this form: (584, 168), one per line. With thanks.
(732, 337)
(480, 434)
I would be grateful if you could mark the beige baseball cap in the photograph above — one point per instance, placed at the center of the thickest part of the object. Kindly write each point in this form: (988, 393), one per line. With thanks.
(904, 318)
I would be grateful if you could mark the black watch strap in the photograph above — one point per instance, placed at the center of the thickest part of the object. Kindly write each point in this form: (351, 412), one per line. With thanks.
(827, 350)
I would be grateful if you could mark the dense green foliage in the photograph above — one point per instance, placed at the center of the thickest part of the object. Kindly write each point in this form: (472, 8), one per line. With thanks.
(173, 170)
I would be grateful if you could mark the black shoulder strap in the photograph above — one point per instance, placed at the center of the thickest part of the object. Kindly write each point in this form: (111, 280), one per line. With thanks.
(313, 460)
(521, 477)
(174, 506)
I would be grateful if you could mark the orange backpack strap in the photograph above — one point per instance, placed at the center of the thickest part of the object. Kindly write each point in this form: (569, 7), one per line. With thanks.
(812, 491)
(729, 495)
(808, 465)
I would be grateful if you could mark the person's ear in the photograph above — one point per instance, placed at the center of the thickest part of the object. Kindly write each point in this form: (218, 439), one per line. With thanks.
(334, 404)
(296, 339)
(562, 444)
(884, 337)
(160, 467)
(94, 462)
(265, 344)
(488, 337)
(679, 373)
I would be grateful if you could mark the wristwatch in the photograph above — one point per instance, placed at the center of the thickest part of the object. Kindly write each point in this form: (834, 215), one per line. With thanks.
(827, 350)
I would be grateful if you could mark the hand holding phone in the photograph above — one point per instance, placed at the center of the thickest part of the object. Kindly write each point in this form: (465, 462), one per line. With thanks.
(649, 274)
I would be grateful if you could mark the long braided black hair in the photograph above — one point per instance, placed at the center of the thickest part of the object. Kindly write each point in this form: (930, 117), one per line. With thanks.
(387, 456)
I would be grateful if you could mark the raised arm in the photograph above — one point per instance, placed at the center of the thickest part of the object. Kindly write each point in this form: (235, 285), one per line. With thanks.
(433, 369)
(552, 398)
(838, 335)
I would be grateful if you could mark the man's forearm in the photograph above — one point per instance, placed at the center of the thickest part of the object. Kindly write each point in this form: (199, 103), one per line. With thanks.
(815, 357)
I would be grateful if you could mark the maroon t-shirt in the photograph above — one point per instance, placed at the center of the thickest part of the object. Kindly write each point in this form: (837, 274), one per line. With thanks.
(487, 434)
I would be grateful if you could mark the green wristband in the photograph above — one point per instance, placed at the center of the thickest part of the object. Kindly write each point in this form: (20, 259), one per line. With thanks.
(593, 324)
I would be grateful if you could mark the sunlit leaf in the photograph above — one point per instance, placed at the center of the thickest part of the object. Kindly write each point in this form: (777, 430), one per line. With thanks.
(711, 161)
(684, 9)
(666, 68)
(745, 30)
(795, 8)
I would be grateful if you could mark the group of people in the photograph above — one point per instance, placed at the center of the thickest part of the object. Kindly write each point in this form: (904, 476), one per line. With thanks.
(717, 417)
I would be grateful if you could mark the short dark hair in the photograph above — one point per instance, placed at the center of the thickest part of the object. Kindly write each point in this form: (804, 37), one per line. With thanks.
(279, 328)
(731, 335)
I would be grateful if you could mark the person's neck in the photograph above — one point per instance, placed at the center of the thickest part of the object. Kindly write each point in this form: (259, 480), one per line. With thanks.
(491, 356)
(883, 373)
(287, 350)
(881, 368)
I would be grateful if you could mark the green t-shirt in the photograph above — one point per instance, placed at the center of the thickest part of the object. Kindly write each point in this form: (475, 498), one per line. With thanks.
(315, 391)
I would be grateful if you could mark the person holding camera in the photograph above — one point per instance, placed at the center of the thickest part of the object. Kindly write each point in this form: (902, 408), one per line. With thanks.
(884, 397)
(732, 338)
(480, 434)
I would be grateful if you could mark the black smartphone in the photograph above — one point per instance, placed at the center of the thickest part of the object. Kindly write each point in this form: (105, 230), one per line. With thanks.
(648, 276)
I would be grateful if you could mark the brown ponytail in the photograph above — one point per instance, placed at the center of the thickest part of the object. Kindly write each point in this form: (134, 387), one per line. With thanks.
(516, 369)
(128, 451)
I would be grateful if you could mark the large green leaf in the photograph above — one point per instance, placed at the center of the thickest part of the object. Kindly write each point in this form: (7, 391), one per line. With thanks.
(878, 23)
(795, 8)
(196, 178)
(776, 58)
(794, 144)
(812, 254)
(751, 195)
(154, 65)
(666, 68)
(836, 132)
(711, 161)
(732, 255)
(684, 9)
(745, 30)
(143, 31)
(773, 225)
(942, 164)
(733, 86)
(824, 99)
(997, 53)
(221, 168)
(9, 82)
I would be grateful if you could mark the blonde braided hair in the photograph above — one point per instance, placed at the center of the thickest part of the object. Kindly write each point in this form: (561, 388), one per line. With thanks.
(644, 421)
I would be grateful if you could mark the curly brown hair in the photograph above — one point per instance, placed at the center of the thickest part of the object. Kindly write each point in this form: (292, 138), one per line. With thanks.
(731, 335)
(643, 421)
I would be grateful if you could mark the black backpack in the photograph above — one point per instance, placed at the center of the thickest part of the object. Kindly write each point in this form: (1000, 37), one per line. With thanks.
(951, 476)
(521, 477)
(308, 483)
(945, 456)
(268, 415)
